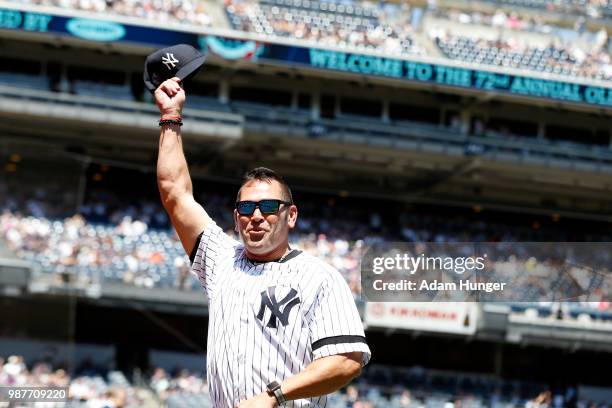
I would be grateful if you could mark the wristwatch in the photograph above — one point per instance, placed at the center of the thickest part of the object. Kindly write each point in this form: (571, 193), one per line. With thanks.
(274, 388)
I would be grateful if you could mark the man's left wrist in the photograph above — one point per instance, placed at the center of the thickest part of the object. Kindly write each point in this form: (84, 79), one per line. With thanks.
(272, 398)
(274, 390)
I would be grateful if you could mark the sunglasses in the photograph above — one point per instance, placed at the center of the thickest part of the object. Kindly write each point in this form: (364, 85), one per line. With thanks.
(267, 207)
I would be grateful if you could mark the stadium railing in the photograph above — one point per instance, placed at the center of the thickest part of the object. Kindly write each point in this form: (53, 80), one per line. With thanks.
(107, 110)
(421, 136)
(212, 118)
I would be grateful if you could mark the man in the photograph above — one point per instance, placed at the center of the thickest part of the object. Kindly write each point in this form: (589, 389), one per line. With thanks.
(283, 325)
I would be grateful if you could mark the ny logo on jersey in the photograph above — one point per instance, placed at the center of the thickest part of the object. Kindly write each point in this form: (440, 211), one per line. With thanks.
(268, 299)
(169, 61)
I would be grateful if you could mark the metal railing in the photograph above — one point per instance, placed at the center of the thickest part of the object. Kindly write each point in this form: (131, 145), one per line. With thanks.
(367, 131)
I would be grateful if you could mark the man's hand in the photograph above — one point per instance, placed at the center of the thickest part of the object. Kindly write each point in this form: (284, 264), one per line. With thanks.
(262, 400)
(170, 97)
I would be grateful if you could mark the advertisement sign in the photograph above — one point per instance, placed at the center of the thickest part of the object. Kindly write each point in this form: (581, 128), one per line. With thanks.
(454, 318)
(95, 30)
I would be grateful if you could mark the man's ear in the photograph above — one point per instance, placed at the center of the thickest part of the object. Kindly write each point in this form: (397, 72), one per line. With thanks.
(292, 216)
(236, 227)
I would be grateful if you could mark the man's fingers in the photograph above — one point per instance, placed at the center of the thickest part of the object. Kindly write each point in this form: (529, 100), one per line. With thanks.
(164, 89)
(170, 86)
(175, 84)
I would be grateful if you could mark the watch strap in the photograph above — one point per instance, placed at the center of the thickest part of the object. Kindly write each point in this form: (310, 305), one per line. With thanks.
(275, 389)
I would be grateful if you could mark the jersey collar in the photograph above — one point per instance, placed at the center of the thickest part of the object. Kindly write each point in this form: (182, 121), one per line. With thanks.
(287, 257)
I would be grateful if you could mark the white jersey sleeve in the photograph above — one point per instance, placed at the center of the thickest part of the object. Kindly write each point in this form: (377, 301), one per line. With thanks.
(335, 325)
(212, 247)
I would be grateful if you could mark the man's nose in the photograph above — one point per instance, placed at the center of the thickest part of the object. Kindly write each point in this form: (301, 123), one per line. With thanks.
(257, 215)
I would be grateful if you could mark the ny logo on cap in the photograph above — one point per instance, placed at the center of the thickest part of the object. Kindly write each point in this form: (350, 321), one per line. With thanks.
(268, 299)
(169, 61)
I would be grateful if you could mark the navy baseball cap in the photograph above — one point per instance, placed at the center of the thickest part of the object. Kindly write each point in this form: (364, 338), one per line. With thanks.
(182, 61)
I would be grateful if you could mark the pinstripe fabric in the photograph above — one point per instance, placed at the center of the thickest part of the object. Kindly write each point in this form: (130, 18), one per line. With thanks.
(264, 318)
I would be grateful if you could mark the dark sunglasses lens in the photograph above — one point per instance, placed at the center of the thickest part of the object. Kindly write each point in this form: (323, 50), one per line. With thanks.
(246, 207)
(269, 206)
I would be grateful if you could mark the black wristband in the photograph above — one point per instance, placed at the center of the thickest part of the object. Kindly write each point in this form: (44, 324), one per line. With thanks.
(171, 121)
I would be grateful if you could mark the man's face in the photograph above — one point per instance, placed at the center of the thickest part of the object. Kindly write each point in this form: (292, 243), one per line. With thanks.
(265, 236)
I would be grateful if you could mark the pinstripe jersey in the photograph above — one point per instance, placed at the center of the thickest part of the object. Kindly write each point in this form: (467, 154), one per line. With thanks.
(268, 321)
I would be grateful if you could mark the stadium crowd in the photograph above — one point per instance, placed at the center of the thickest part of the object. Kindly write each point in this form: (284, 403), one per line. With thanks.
(508, 52)
(159, 11)
(393, 28)
(511, 19)
(390, 28)
(131, 242)
(378, 387)
(593, 8)
(498, 19)
(88, 389)
(83, 253)
(572, 51)
(179, 381)
(357, 25)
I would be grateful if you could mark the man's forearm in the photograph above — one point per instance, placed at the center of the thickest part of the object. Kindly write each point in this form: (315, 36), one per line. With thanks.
(188, 217)
(323, 376)
(172, 172)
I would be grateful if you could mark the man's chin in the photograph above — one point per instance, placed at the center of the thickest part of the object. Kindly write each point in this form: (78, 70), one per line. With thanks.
(256, 247)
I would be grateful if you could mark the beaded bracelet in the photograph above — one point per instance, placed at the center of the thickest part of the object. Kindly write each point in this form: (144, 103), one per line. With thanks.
(175, 120)
(170, 121)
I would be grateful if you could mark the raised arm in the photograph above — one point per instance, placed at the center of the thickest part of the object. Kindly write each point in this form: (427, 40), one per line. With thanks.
(187, 216)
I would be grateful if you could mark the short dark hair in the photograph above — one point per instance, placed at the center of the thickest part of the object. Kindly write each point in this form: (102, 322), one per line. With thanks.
(266, 174)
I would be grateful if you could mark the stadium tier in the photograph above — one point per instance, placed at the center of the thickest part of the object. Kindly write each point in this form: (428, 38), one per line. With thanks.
(365, 26)
(390, 28)
(517, 39)
(500, 52)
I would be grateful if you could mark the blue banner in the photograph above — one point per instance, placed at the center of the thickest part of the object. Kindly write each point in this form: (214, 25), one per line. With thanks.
(91, 29)
(230, 48)
(439, 74)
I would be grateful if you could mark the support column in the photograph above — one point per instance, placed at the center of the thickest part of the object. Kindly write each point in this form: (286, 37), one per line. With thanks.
(315, 106)
(294, 99)
(337, 112)
(541, 129)
(385, 111)
(224, 91)
(465, 117)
